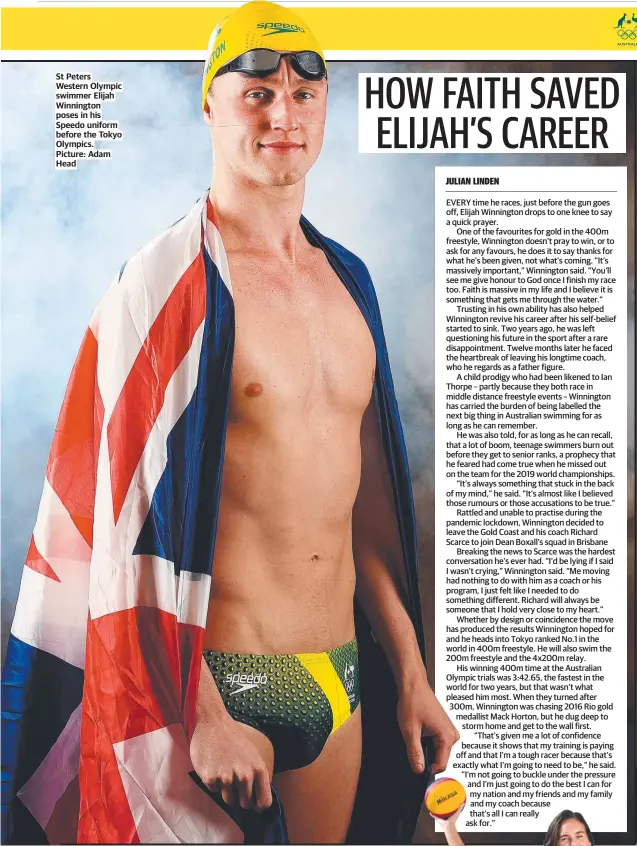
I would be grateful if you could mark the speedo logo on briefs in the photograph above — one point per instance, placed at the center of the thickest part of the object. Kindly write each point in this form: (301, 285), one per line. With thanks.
(246, 681)
(280, 27)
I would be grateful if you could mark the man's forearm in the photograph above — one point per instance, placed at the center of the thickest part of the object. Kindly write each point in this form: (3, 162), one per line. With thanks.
(381, 597)
(381, 585)
(382, 591)
(419, 712)
(209, 701)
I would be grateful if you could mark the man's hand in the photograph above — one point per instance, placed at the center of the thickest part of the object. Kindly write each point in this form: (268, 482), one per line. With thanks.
(420, 713)
(227, 762)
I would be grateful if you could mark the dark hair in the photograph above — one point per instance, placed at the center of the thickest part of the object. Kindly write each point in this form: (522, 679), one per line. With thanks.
(552, 835)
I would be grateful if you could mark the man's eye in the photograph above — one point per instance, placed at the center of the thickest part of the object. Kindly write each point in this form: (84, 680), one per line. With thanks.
(305, 95)
(256, 95)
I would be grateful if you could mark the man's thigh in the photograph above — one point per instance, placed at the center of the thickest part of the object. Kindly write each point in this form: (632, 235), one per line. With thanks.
(318, 799)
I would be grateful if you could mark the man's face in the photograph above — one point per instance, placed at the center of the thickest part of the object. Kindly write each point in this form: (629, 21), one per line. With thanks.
(573, 833)
(269, 129)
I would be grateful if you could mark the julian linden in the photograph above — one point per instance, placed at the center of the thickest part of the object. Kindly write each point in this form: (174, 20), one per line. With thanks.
(476, 180)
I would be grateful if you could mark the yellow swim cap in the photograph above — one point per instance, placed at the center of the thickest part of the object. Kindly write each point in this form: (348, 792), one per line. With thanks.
(253, 25)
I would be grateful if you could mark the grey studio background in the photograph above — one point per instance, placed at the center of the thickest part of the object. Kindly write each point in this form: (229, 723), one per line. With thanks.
(65, 234)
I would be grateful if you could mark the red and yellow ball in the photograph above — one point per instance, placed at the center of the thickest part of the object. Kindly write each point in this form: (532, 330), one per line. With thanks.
(444, 797)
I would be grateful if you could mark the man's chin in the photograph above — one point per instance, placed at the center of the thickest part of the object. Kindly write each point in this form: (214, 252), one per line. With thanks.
(280, 178)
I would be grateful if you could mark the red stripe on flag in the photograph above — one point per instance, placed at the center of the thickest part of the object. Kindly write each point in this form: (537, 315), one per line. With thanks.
(39, 564)
(142, 396)
(212, 215)
(133, 675)
(105, 815)
(73, 456)
(131, 686)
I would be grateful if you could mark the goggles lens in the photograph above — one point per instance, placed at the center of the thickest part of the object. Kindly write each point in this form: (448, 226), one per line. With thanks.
(262, 62)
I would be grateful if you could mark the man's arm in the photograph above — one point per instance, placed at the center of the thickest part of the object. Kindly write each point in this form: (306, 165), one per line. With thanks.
(223, 757)
(381, 590)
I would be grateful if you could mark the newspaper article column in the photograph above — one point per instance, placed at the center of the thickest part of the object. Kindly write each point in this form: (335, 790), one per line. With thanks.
(531, 390)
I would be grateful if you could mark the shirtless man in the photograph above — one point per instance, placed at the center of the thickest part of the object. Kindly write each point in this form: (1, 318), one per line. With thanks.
(306, 515)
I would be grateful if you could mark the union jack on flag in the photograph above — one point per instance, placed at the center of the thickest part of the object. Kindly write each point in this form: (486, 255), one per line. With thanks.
(102, 666)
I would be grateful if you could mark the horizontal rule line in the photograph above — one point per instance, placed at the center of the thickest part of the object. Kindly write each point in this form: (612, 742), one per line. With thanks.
(527, 191)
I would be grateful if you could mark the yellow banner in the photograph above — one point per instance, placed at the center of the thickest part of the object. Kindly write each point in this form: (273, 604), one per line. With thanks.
(336, 28)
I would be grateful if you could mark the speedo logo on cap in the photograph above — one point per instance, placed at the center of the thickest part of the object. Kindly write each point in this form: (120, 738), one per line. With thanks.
(280, 27)
(246, 681)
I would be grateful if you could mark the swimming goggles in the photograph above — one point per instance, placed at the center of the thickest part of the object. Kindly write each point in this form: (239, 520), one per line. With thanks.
(262, 62)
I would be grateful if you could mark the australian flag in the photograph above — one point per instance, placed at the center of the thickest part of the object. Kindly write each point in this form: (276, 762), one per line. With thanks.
(102, 668)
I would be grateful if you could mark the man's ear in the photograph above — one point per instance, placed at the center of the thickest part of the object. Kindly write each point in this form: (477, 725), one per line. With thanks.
(207, 114)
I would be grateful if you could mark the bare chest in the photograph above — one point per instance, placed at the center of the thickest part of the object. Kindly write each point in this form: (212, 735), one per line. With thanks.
(301, 341)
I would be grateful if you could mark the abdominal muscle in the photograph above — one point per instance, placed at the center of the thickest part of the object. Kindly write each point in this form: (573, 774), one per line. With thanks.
(283, 574)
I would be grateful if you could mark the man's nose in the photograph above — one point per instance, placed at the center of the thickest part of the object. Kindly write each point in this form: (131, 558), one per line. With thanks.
(283, 114)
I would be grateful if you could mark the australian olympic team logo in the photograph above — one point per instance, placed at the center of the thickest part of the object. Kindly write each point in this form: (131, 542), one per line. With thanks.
(627, 29)
(348, 677)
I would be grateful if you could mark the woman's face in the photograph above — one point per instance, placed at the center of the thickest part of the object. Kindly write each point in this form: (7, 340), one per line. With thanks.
(573, 833)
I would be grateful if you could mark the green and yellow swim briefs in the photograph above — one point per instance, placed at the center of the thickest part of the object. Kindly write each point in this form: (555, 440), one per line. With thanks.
(296, 700)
